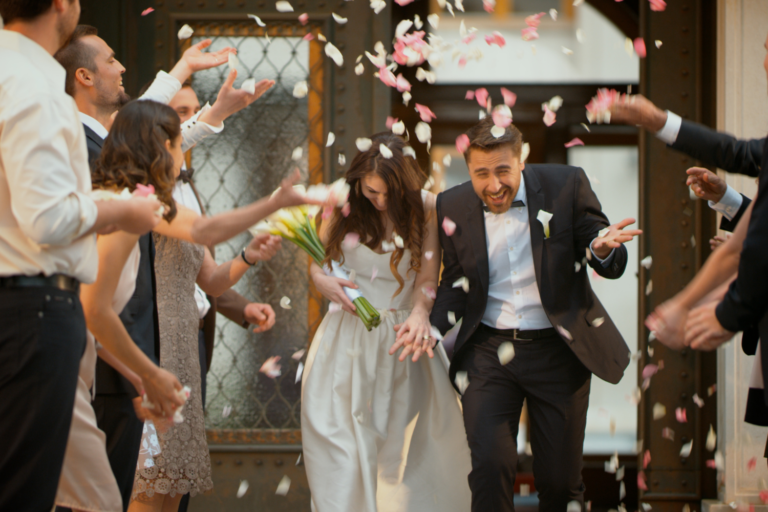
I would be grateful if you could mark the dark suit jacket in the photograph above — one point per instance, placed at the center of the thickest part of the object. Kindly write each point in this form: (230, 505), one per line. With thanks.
(720, 149)
(94, 143)
(566, 296)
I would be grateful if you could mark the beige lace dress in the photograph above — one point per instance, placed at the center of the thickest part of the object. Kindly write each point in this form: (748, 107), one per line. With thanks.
(177, 461)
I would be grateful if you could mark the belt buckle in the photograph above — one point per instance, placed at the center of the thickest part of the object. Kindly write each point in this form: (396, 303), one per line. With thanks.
(514, 336)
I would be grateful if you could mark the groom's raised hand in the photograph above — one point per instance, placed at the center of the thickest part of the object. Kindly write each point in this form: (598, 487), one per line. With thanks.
(614, 237)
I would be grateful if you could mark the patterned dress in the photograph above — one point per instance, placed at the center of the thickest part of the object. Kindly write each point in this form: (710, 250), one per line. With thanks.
(177, 461)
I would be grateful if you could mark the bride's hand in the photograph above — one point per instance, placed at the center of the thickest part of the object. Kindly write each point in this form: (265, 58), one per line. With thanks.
(414, 337)
(332, 288)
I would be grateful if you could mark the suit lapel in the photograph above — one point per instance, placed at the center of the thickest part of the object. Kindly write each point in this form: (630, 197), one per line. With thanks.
(535, 201)
(476, 227)
(93, 137)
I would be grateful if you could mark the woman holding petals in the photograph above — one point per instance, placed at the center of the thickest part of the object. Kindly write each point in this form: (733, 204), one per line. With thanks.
(380, 434)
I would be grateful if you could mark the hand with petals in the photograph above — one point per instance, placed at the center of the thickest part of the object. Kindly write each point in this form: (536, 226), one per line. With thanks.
(414, 337)
(194, 59)
(637, 110)
(703, 330)
(668, 323)
(230, 100)
(287, 195)
(260, 315)
(262, 247)
(616, 235)
(706, 184)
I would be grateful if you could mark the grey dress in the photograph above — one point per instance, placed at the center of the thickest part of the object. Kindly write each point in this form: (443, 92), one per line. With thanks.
(177, 461)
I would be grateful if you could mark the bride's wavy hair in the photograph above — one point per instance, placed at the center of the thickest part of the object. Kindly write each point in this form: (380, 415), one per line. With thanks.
(135, 152)
(405, 206)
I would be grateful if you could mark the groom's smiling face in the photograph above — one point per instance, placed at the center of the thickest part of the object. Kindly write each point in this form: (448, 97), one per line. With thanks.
(495, 176)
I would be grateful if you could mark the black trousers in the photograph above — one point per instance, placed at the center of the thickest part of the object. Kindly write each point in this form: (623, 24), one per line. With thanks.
(184, 504)
(42, 338)
(555, 384)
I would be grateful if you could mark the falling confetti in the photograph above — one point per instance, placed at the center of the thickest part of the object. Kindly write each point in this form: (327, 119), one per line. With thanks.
(331, 139)
(658, 43)
(363, 144)
(449, 226)
(283, 486)
(339, 19)
(639, 44)
(711, 389)
(334, 53)
(270, 367)
(575, 142)
(462, 381)
(185, 32)
(425, 113)
(242, 489)
(646, 458)
(685, 450)
(573, 506)
(647, 262)
(577, 267)
(697, 400)
(304, 18)
(146, 11)
(452, 318)
(553, 14)
(429, 255)
(299, 371)
(298, 354)
(657, 5)
(564, 333)
(226, 411)
(462, 282)
(641, 484)
(232, 61)
(285, 303)
(681, 415)
(257, 20)
(385, 151)
(549, 117)
(566, 51)
(711, 439)
(462, 143)
(597, 322)
(374, 272)
(649, 287)
(668, 433)
(659, 411)
(297, 154)
(429, 292)
(351, 240)
(283, 6)
(506, 352)
(751, 463)
(249, 86)
(300, 90)
(423, 132)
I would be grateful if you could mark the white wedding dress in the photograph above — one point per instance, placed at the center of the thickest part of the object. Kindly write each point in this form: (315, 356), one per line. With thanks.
(380, 435)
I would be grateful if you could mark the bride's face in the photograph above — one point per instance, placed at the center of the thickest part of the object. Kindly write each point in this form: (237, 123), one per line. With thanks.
(174, 148)
(375, 190)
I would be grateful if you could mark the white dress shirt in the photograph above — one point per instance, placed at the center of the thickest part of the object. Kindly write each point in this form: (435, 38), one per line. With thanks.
(184, 195)
(731, 201)
(514, 301)
(94, 125)
(45, 181)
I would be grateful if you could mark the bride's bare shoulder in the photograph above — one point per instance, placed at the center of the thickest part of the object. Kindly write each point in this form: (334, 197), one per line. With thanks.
(430, 200)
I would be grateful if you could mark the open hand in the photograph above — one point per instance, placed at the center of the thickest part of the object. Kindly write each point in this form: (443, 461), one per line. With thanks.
(706, 184)
(197, 60)
(414, 337)
(261, 315)
(616, 235)
(668, 323)
(231, 100)
(263, 247)
(287, 195)
(703, 330)
(637, 110)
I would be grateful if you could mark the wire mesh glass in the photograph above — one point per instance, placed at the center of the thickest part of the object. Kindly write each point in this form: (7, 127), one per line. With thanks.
(242, 164)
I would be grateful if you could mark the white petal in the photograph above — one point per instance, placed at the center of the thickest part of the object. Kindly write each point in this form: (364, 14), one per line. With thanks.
(564, 333)
(352, 275)
(298, 354)
(342, 159)
(185, 32)
(647, 262)
(299, 372)
(566, 51)
(659, 411)
(417, 22)
(711, 439)
(409, 151)
(399, 242)
(434, 20)
(226, 411)
(452, 318)
(398, 128)
(524, 152)
(331, 139)
(285, 303)
(249, 86)
(498, 131)
(385, 151)
(447, 160)
(359, 69)
(232, 61)
(406, 98)
(553, 14)
(321, 38)
(597, 322)
(339, 19)
(658, 43)
(462, 381)
(257, 20)
(334, 53)
(242, 489)
(423, 132)
(363, 144)
(283, 486)
(403, 27)
(685, 451)
(462, 282)
(649, 287)
(506, 352)
(297, 154)
(301, 89)
(283, 6)
(573, 506)
(577, 267)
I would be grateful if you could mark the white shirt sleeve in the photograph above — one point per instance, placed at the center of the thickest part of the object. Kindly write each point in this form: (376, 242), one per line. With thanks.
(668, 134)
(194, 131)
(604, 262)
(45, 198)
(729, 205)
(163, 89)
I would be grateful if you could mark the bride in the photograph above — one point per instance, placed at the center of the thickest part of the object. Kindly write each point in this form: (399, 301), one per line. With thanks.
(380, 434)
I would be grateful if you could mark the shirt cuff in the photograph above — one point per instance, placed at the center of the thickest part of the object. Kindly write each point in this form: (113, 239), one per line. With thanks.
(163, 89)
(668, 134)
(89, 213)
(729, 205)
(604, 262)
(194, 131)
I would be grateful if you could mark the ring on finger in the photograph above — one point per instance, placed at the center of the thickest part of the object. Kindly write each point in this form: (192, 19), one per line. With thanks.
(426, 337)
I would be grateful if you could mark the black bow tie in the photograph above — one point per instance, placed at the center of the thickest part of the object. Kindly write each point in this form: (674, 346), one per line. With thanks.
(186, 175)
(515, 204)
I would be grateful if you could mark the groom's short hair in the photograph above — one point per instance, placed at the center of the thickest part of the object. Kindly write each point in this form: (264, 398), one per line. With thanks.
(24, 10)
(481, 138)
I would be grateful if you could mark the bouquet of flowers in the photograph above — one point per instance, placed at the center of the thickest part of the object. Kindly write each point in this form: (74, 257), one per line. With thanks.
(298, 225)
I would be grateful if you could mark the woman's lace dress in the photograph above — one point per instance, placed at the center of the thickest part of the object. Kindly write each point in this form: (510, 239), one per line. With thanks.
(177, 460)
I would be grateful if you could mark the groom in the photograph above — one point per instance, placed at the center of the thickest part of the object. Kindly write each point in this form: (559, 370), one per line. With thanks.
(528, 291)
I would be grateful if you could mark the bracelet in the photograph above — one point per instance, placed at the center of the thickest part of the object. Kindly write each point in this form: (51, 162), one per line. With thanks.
(242, 255)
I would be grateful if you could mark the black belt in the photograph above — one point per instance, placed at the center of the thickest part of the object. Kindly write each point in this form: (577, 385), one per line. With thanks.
(517, 334)
(60, 281)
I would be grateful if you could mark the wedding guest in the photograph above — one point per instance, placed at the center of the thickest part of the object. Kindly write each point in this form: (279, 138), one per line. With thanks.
(524, 236)
(389, 436)
(94, 80)
(47, 248)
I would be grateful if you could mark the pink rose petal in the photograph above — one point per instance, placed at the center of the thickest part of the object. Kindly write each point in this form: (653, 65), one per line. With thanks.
(402, 84)
(449, 226)
(390, 121)
(502, 117)
(146, 11)
(489, 6)
(308, 37)
(429, 255)
(304, 18)
(462, 143)
(681, 415)
(429, 292)
(270, 367)
(481, 95)
(549, 116)
(764, 496)
(575, 142)
(426, 114)
(386, 76)
(462, 61)
(403, 2)
(351, 240)
(752, 464)
(641, 481)
(529, 34)
(144, 190)
(640, 47)
(534, 20)
(509, 97)
(649, 371)
(711, 464)
(497, 39)
(657, 5)
(374, 272)
(469, 38)
(346, 209)
(470, 95)
(646, 458)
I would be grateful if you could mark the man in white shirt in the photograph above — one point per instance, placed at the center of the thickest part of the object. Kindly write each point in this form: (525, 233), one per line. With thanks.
(532, 328)
(47, 247)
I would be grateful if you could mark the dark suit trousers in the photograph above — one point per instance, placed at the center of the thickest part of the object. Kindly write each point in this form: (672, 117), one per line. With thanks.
(555, 384)
(42, 339)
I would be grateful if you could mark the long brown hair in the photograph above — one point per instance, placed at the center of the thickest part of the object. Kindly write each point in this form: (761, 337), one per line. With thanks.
(405, 206)
(135, 151)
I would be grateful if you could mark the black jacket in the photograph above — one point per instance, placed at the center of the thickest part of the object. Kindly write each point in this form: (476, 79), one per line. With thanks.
(140, 314)
(566, 296)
